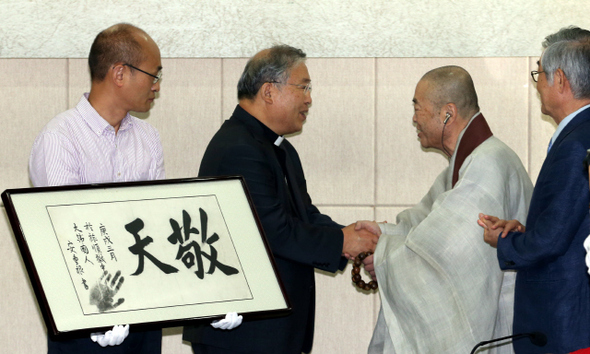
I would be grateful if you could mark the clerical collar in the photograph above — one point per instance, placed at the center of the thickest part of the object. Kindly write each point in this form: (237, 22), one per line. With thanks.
(267, 133)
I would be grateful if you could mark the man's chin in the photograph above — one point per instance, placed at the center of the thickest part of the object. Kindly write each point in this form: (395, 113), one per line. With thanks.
(143, 109)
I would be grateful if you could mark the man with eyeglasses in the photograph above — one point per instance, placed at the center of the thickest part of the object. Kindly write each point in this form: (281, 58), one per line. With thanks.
(99, 141)
(552, 293)
(274, 94)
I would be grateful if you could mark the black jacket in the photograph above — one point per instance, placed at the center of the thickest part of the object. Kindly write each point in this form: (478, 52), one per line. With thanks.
(301, 238)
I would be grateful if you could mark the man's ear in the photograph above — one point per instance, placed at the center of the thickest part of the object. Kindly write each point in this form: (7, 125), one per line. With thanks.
(266, 92)
(450, 113)
(561, 81)
(117, 74)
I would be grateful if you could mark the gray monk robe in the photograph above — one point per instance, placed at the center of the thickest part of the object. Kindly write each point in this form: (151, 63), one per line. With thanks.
(441, 288)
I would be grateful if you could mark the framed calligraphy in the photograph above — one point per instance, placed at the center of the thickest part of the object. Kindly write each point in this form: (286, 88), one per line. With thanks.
(151, 253)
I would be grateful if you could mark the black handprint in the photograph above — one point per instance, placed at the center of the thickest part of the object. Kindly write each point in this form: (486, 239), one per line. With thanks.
(104, 290)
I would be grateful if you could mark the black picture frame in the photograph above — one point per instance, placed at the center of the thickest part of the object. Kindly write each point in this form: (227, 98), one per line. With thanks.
(152, 253)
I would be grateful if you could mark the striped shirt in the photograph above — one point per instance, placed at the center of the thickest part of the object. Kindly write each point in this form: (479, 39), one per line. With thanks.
(79, 147)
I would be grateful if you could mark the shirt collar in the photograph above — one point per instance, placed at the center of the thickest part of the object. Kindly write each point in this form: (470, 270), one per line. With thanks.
(95, 121)
(565, 122)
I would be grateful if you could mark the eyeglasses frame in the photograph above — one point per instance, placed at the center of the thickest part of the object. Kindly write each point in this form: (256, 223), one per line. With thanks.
(306, 88)
(157, 77)
(535, 75)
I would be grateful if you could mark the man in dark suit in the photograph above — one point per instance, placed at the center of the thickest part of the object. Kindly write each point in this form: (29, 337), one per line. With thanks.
(552, 293)
(274, 96)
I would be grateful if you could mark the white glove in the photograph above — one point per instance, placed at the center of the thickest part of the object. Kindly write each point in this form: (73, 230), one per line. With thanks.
(113, 337)
(587, 247)
(231, 321)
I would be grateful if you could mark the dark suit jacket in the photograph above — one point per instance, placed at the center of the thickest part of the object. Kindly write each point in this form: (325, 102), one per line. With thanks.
(552, 284)
(301, 238)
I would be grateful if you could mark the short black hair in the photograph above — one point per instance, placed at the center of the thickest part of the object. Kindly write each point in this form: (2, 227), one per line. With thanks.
(116, 44)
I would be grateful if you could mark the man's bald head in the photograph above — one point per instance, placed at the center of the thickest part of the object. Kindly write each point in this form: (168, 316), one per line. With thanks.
(452, 84)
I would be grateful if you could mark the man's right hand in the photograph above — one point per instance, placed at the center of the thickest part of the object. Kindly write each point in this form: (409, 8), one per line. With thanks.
(493, 228)
(357, 241)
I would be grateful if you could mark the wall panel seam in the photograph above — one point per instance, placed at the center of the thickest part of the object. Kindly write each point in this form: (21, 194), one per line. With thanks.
(222, 87)
(375, 142)
(530, 124)
(68, 83)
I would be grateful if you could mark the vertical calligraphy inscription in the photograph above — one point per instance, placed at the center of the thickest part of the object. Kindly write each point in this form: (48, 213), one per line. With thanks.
(142, 254)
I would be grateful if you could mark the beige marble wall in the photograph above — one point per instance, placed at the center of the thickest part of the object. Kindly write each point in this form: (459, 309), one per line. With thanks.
(358, 147)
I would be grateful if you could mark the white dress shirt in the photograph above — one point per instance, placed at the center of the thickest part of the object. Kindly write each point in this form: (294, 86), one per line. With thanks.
(79, 147)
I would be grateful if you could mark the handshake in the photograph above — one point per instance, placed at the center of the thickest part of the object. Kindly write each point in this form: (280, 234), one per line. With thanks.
(359, 237)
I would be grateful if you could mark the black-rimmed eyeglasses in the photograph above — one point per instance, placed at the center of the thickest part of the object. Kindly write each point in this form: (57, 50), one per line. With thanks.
(157, 77)
(535, 75)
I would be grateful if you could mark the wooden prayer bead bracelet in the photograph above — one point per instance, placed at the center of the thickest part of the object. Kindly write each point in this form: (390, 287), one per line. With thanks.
(356, 273)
